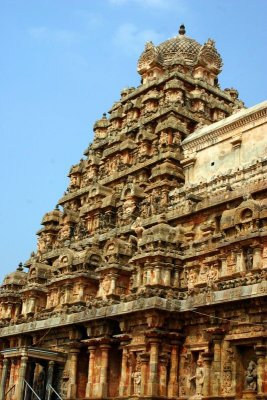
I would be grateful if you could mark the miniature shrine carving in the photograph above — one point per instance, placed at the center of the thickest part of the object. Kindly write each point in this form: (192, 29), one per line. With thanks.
(149, 277)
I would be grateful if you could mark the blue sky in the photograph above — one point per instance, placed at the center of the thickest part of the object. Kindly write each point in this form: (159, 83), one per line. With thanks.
(64, 63)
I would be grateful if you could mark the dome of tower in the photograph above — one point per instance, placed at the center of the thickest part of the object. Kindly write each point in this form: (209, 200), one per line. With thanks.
(180, 48)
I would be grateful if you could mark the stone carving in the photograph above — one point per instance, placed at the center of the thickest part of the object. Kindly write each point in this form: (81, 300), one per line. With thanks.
(249, 258)
(128, 208)
(137, 378)
(198, 379)
(251, 376)
(227, 376)
(153, 243)
(191, 280)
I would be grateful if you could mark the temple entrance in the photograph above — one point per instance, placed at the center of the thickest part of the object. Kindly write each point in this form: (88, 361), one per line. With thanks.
(39, 377)
(31, 373)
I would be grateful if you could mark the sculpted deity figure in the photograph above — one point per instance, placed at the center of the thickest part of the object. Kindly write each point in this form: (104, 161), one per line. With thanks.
(138, 228)
(191, 280)
(151, 106)
(251, 376)
(143, 149)
(154, 200)
(106, 284)
(74, 181)
(176, 139)
(249, 258)
(129, 206)
(41, 245)
(64, 232)
(198, 378)
(175, 95)
(212, 275)
(163, 140)
(137, 378)
(145, 209)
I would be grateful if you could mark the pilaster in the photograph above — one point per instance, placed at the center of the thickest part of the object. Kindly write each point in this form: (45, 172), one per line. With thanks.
(73, 361)
(261, 354)
(6, 363)
(91, 360)
(153, 382)
(173, 387)
(21, 377)
(103, 384)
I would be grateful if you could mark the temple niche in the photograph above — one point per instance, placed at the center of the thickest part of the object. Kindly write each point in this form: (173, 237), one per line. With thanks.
(148, 280)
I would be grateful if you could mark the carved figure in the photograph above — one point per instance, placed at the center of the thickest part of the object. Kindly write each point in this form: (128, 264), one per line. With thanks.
(106, 285)
(128, 207)
(198, 378)
(191, 280)
(137, 378)
(164, 139)
(41, 245)
(74, 181)
(249, 258)
(212, 275)
(138, 228)
(64, 232)
(251, 376)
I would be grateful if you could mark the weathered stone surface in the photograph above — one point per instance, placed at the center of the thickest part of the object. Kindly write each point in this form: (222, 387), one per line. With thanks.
(149, 278)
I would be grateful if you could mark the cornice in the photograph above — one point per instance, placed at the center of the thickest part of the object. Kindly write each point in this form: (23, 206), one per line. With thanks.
(216, 132)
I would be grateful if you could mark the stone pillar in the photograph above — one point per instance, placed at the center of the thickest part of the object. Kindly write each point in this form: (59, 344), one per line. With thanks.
(11, 378)
(216, 367)
(223, 265)
(163, 362)
(89, 385)
(21, 376)
(240, 263)
(157, 276)
(261, 354)
(217, 335)
(72, 386)
(207, 357)
(144, 358)
(17, 310)
(257, 257)
(103, 386)
(113, 283)
(67, 290)
(9, 310)
(123, 380)
(167, 277)
(50, 374)
(176, 279)
(153, 382)
(4, 378)
(138, 281)
(173, 387)
(81, 292)
(148, 276)
(31, 305)
(24, 305)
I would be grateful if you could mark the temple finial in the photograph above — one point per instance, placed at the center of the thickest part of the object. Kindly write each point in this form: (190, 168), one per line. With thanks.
(182, 30)
(20, 267)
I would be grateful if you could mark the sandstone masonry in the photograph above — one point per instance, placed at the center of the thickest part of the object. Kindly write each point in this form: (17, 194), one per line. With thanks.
(149, 279)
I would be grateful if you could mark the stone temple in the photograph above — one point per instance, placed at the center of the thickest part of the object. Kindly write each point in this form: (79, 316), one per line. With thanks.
(149, 278)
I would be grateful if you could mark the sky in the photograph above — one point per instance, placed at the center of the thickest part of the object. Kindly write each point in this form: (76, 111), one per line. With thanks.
(64, 63)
